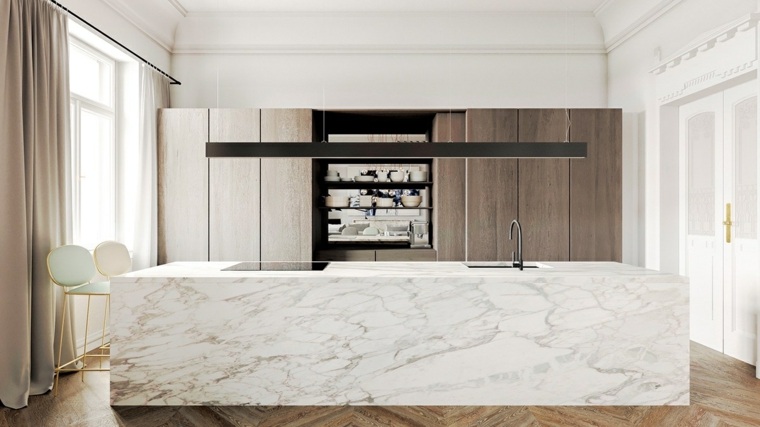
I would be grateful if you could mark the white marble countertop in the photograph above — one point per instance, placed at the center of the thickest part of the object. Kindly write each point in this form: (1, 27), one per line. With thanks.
(190, 270)
(400, 334)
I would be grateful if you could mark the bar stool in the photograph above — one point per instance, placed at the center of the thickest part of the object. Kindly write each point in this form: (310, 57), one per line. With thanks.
(72, 268)
(111, 259)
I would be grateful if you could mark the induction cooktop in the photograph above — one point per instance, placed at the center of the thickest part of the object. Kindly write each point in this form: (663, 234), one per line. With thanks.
(278, 266)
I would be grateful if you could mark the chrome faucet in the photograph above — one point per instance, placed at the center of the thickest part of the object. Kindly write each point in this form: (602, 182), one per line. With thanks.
(517, 262)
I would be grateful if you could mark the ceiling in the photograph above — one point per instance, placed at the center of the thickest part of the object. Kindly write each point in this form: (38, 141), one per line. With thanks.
(295, 6)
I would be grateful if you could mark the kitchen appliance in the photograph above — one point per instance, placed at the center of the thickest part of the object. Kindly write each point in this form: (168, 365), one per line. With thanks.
(419, 236)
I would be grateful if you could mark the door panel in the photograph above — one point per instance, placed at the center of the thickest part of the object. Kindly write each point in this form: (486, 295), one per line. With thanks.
(702, 131)
(741, 255)
(719, 136)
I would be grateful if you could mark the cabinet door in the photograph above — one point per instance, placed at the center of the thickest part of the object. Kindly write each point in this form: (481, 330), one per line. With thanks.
(406, 255)
(182, 185)
(367, 255)
(234, 189)
(449, 191)
(544, 189)
(491, 187)
(596, 187)
(286, 194)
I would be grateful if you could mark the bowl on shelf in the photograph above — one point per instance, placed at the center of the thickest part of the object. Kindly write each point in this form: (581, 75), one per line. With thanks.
(332, 178)
(371, 231)
(411, 201)
(417, 176)
(384, 203)
(364, 178)
(397, 176)
(332, 172)
(349, 231)
(336, 202)
(346, 179)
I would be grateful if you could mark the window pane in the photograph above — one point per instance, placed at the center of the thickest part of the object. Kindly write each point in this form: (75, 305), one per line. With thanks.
(90, 77)
(701, 146)
(96, 201)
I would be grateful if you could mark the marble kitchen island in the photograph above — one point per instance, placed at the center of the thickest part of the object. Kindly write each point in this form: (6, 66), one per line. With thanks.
(400, 334)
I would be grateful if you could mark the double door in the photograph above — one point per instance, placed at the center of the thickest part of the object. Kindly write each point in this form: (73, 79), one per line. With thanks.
(719, 224)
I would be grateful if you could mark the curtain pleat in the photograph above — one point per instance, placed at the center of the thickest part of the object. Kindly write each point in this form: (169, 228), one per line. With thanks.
(35, 209)
(154, 94)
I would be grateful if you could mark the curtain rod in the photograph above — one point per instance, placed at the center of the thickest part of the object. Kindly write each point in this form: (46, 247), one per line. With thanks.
(82, 20)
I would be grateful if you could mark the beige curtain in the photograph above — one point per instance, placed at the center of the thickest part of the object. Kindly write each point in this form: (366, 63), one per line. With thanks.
(34, 134)
(154, 94)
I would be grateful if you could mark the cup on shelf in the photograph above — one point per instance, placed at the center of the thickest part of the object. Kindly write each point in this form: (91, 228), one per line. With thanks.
(418, 176)
(382, 176)
(397, 176)
(332, 172)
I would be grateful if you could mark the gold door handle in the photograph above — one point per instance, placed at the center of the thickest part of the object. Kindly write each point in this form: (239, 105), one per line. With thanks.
(728, 223)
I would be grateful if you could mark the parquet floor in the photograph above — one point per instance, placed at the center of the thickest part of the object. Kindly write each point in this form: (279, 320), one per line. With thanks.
(724, 392)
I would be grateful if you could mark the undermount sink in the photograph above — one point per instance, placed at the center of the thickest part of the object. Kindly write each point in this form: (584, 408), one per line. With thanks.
(501, 264)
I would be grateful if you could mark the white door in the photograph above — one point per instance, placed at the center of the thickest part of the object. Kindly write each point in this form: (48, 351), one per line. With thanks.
(719, 146)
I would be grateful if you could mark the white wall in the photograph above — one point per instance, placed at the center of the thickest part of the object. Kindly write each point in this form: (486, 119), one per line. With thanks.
(386, 60)
(631, 87)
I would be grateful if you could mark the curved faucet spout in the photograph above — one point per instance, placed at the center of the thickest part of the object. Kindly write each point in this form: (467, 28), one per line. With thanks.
(517, 262)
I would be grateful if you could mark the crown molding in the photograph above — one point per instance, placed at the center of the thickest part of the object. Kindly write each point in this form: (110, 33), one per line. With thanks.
(708, 42)
(126, 12)
(354, 14)
(590, 49)
(177, 5)
(605, 4)
(642, 22)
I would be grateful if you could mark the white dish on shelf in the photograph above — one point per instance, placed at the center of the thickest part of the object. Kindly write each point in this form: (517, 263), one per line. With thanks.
(370, 231)
(364, 178)
(411, 201)
(383, 203)
(330, 178)
(346, 179)
(417, 176)
(336, 202)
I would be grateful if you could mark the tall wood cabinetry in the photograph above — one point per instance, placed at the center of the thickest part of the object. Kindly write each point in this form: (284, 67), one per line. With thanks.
(449, 192)
(596, 219)
(491, 187)
(544, 189)
(234, 189)
(569, 209)
(213, 209)
(286, 195)
(182, 185)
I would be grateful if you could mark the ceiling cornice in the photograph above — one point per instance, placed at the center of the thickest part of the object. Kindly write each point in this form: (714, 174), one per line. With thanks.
(590, 49)
(120, 7)
(177, 5)
(642, 22)
(382, 13)
(605, 4)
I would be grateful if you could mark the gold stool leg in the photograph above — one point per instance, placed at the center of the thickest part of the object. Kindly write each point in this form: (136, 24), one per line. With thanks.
(60, 346)
(86, 331)
(103, 337)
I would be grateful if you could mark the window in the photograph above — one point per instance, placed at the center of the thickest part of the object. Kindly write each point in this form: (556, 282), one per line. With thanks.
(93, 121)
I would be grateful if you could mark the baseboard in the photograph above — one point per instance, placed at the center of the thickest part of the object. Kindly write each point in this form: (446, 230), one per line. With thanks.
(93, 340)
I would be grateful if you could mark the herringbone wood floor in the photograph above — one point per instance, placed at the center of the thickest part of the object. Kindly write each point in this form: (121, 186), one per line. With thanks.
(724, 392)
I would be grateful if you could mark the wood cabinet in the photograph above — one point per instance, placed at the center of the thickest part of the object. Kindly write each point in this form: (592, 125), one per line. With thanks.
(491, 187)
(596, 187)
(234, 189)
(449, 191)
(182, 185)
(544, 189)
(286, 193)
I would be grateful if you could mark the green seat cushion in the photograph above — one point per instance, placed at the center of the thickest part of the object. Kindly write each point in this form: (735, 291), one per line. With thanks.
(95, 288)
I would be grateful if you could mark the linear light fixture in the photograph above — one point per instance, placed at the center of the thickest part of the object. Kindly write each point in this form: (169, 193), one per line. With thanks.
(398, 150)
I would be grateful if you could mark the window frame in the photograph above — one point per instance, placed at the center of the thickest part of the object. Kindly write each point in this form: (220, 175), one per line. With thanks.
(78, 103)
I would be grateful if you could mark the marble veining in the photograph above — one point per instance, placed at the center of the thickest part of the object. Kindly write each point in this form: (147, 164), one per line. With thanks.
(400, 334)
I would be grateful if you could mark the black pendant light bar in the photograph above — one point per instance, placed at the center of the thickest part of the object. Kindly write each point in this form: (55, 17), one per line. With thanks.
(399, 150)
